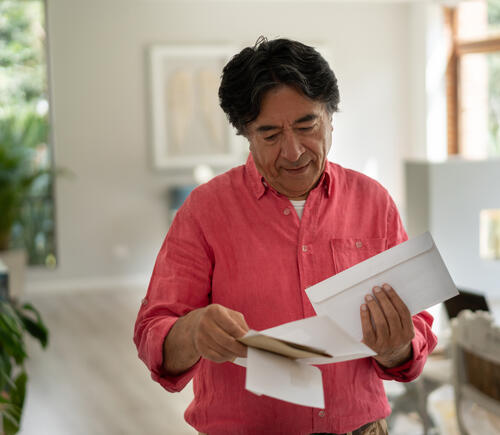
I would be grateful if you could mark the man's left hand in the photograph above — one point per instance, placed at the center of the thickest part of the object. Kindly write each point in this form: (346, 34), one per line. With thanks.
(387, 326)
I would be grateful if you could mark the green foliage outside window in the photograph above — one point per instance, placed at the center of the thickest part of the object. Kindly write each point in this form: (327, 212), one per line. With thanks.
(494, 81)
(24, 129)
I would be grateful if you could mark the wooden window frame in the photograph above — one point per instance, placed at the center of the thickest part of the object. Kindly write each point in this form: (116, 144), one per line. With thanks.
(458, 48)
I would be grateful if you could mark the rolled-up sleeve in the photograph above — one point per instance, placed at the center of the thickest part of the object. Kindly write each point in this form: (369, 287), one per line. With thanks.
(180, 283)
(423, 344)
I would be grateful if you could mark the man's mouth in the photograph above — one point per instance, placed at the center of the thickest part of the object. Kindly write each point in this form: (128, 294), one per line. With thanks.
(298, 170)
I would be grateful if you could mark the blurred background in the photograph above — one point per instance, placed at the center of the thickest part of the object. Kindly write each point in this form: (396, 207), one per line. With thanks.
(109, 117)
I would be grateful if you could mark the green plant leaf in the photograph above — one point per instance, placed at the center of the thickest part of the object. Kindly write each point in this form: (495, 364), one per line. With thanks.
(5, 369)
(36, 330)
(19, 393)
(11, 332)
(12, 418)
(36, 327)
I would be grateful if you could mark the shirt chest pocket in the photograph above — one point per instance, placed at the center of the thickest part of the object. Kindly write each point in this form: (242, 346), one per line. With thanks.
(350, 251)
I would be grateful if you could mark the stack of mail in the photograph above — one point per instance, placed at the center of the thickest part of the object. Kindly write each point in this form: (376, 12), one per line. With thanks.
(281, 360)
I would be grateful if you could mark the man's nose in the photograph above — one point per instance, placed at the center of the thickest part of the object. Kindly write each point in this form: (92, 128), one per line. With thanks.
(291, 148)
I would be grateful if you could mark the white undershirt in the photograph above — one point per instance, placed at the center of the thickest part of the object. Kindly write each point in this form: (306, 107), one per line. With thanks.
(299, 206)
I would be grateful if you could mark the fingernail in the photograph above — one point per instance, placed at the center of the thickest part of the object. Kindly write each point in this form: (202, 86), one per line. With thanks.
(364, 307)
(368, 298)
(377, 289)
(387, 287)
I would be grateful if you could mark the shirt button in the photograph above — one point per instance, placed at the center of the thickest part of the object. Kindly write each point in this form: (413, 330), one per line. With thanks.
(321, 413)
(286, 212)
(304, 248)
(359, 244)
(144, 301)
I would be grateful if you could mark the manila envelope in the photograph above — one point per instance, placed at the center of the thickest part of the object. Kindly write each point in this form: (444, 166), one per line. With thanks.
(414, 269)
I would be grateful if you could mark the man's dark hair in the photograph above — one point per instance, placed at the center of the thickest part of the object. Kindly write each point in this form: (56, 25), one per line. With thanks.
(268, 64)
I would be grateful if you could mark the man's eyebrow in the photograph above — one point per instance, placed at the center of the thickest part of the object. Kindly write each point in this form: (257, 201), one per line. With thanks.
(309, 117)
(264, 128)
(306, 118)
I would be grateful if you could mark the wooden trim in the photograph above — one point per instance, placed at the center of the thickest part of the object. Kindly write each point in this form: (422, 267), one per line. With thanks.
(487, 45)
(450, 16)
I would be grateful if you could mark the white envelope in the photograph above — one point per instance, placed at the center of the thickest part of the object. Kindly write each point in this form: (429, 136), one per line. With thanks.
(414, 269)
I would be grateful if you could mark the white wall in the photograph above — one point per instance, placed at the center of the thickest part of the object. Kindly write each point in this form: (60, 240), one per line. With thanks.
(446, 199)
(112, 217)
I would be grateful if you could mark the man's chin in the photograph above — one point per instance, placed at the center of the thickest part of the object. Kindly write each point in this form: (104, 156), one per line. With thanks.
(295, 193)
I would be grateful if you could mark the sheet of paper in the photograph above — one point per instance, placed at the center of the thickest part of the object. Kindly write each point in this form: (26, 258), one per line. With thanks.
(283, 378)
(414, 269)
(323, 333)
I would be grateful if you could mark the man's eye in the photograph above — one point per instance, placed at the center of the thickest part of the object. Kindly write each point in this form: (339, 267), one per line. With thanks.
(271, 138)
(306, 128)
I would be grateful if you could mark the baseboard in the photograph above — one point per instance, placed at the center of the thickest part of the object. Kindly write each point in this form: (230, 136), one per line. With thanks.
(131, 282)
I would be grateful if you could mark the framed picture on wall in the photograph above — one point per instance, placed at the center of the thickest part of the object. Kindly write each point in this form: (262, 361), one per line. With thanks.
(188, 126)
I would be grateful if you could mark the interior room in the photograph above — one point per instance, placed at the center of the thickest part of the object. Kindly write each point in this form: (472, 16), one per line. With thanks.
(125, 137)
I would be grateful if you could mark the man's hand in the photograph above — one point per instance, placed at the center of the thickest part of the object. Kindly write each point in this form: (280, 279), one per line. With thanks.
(208, 332)
(387, 326)
(215, 331)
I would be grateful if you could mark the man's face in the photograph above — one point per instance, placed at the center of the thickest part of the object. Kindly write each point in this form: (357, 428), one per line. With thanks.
(290, 140)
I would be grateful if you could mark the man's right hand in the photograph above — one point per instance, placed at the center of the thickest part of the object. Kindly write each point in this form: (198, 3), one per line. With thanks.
(208, 332)
(215, 332)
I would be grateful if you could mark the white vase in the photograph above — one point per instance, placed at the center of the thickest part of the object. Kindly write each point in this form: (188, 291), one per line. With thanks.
(15, 260)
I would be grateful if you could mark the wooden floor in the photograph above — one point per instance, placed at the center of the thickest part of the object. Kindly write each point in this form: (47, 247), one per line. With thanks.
(90, 381)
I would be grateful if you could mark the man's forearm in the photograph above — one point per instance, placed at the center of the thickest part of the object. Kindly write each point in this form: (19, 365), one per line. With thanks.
(179, 351)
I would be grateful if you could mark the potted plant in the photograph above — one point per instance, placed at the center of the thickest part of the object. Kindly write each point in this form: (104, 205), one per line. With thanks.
(21, 137)
(15, 321)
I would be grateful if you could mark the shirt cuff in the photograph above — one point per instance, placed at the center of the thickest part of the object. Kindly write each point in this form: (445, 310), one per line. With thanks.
(156, 339)
(409, 370)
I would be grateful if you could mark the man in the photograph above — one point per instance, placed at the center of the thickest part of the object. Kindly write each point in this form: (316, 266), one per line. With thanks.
(244, 247)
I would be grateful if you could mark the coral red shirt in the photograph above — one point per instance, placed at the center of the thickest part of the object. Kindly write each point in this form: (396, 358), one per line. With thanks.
(239, 243)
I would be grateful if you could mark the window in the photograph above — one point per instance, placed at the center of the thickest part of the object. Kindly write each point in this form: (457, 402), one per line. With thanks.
(24, 120)
(473, 79)
(489, 234)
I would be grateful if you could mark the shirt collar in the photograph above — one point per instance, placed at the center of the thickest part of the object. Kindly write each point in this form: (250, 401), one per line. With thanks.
(259, 186)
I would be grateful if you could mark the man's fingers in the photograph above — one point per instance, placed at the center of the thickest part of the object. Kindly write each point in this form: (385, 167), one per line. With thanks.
(228, 342)
(399, 305)
(217, 331)
(215, 344)
(378, 318)
(392, 330)
(369, 337)
(229, 320)
(239, 319)
(214, 352)
(389, 311)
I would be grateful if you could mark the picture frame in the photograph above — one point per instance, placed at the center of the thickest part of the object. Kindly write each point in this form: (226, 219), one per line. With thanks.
(188, 126)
